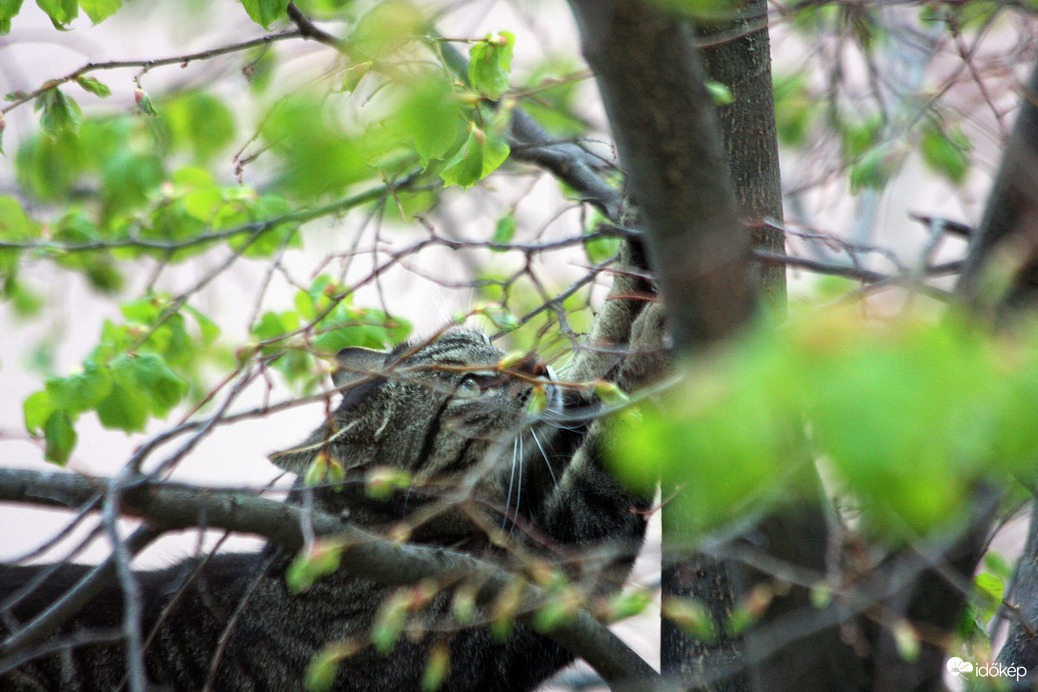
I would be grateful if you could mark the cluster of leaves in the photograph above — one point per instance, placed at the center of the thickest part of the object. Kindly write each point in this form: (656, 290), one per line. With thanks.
(121, 201)
(909, 416)
(141, 368)
(455, 132)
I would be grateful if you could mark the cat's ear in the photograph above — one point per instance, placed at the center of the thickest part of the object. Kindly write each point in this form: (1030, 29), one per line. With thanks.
(356, 362)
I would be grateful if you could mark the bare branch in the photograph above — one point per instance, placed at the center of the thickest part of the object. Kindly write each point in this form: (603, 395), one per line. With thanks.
(174, 506)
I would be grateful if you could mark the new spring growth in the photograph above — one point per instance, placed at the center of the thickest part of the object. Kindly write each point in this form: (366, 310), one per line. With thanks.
(144, 103)
(609, 394)
(318, 470)
(690, 616)
(381, 481)
(312, 563)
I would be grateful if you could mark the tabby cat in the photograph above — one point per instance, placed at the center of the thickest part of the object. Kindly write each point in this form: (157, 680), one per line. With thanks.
(486, 477)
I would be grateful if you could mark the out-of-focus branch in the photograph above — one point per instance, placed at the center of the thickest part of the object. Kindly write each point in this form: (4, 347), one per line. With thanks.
(174, 506)
(1006, 241)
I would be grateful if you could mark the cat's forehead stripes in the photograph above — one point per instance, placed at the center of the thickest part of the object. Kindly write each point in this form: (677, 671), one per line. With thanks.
(458, 347)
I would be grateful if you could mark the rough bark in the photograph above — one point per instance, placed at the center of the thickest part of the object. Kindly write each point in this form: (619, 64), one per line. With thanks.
(1006, 241)
(668, 137)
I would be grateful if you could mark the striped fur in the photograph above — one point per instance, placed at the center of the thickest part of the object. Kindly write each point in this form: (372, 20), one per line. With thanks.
(450, 414)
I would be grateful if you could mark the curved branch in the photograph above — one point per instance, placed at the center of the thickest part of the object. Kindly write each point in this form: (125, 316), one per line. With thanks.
(175, 506)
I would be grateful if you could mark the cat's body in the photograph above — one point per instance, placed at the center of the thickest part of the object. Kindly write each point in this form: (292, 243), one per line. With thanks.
(456, 419)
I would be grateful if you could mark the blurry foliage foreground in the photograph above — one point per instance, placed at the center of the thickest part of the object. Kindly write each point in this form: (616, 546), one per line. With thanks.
(905, 415)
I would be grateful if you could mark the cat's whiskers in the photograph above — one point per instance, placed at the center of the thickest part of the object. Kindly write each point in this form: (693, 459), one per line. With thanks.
(544, 455)
(511, 481)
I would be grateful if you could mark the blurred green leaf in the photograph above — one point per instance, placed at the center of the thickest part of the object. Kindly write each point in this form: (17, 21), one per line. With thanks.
(490, 61)
(321, 559)
(504, 231)
(265, 12)
(80, 392)
(198, 122)
(149, 374)
(431, 115)
(60, 113)
(389, 621)
(92, 85)
(946, 150)
(123, 409)
(436, 667)
(61, 12)
(37, 409)
(99, 10)
(794, 108)
(720, 93)
(320, 674)
(8, 10)
(318, 157)
(877, 166)
(478, 157)
(61, 437)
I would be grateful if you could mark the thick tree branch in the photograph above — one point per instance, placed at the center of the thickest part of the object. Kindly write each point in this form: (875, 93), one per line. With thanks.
(669, 140)
(670, 146)
(174, 506)
(1021, 647)
(1008, 231)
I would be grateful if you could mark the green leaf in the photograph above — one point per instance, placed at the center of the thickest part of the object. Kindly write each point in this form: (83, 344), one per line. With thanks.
(381, 481)
(94, 86)
(481, 154)
(60, 113)
(794, 108)
(61, 12)
(99, 10)
(989, 590)
(691, 616)
(318, 156)
(199, 122)
(8, 9)
(876, 167)
(906, 639)
(505, 230)
(490, 61)
(431, 115)
(61, 437)
(37, 409)
(628, 604)
(123, 409)
(946, 151)
(148, 374)
(80, 392)
(264, 12)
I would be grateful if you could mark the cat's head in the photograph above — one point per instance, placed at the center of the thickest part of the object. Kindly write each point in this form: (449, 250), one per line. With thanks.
(441, 407)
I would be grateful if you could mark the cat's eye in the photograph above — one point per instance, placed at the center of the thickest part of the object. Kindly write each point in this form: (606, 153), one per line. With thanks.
(469, 387)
